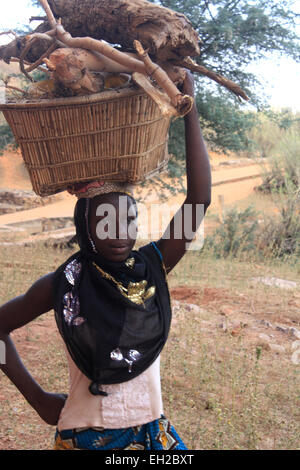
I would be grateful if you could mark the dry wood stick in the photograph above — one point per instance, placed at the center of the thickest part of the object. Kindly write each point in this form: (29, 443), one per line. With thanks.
(230, 85)
(22, 56)
(90, 43)
(9, 32)
(37, 18)
(48, 11)
(41, 59)
(42, 69)
(11, 87)
(183, 103)
(166, 107)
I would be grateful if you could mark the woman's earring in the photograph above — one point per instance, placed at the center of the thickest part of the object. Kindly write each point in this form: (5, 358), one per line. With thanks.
(87, 226)
(92, 244)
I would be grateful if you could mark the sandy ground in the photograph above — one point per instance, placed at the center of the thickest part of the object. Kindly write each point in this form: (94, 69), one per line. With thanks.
(231, 182)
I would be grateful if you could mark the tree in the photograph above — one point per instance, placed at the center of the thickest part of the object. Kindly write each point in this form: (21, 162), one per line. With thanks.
(234, 34)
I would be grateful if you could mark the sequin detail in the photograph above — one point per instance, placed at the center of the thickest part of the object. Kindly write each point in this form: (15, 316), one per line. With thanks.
(130, 262)
(72, 271)
(71, 309)
(132, 355)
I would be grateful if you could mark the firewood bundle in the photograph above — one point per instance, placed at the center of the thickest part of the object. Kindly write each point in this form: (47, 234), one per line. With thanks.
(75, 41)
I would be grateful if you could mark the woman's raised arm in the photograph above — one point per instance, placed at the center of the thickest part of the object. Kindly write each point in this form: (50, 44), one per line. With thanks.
(198, 173)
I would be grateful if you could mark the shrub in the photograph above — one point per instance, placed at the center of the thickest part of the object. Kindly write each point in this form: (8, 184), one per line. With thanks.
(280, 236)
(6, 137)
(284, 165)
(235, 236)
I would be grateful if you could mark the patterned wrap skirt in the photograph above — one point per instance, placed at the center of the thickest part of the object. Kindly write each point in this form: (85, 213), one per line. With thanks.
(157, 435)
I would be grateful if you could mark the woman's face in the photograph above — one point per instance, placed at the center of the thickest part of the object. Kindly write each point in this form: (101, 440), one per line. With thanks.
(113, 225)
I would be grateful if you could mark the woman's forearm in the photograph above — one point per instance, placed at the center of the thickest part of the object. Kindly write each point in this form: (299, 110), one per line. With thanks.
(198, 168)
(15, 370)
(15, 314)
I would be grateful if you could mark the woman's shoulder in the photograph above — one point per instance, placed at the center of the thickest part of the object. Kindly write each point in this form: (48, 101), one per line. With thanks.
(39, 297)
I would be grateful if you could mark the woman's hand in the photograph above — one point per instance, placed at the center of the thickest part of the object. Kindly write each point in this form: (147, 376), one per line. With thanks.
(188, 85)
(49, 407)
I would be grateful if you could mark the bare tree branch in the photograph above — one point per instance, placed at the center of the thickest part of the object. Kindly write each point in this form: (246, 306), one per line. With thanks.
(41, 59)
(37, 18)
(3, 33)
(22, 57)
(42, 69)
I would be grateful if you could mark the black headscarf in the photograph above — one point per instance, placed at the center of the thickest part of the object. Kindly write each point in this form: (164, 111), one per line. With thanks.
(111, 338)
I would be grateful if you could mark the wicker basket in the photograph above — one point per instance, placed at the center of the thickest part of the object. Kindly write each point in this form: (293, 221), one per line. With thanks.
(114, 135)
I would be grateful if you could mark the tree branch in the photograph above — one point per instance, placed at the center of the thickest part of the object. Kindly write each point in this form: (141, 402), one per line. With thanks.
(3, 33)
(208, 9)
(37, 18)
(194, 67)
(42, 69)
(41, 59)
(22, 57)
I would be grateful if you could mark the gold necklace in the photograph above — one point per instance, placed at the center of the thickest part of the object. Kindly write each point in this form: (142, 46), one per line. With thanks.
(137, 292)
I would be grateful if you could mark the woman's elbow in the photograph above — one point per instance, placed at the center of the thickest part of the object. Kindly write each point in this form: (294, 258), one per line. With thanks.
(205, 201)
(206, 205)
(201, 201)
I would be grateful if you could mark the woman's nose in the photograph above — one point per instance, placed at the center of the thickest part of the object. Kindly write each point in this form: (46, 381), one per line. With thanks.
(122, 226)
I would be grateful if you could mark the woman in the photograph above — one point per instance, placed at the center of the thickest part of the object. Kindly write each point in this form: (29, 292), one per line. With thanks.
(113, 311)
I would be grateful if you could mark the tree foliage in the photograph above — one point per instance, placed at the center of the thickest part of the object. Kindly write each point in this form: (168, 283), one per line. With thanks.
(6, 137)
(277, 136)
(234, 34)
(274, 133)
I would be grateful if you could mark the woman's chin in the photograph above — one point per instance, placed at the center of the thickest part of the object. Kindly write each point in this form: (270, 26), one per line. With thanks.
(117, 255)
(118, 258)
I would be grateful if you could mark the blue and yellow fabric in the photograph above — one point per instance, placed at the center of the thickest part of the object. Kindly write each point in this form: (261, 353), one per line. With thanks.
(157, 435)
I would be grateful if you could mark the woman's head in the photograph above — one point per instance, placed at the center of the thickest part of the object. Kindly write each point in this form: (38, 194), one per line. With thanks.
(107, 224)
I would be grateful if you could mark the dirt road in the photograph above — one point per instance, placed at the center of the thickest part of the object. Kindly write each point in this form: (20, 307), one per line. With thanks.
(233, 182)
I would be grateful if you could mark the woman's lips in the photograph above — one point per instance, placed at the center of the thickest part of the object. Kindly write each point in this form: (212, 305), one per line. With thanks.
(118, 249)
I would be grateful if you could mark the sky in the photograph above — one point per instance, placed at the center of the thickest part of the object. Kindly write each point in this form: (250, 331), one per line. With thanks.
(280, 76)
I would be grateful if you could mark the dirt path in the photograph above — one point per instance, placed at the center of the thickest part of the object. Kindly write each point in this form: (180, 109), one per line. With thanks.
(233, 183)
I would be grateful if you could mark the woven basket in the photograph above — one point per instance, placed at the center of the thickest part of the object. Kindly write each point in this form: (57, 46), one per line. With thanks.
(114, 136)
